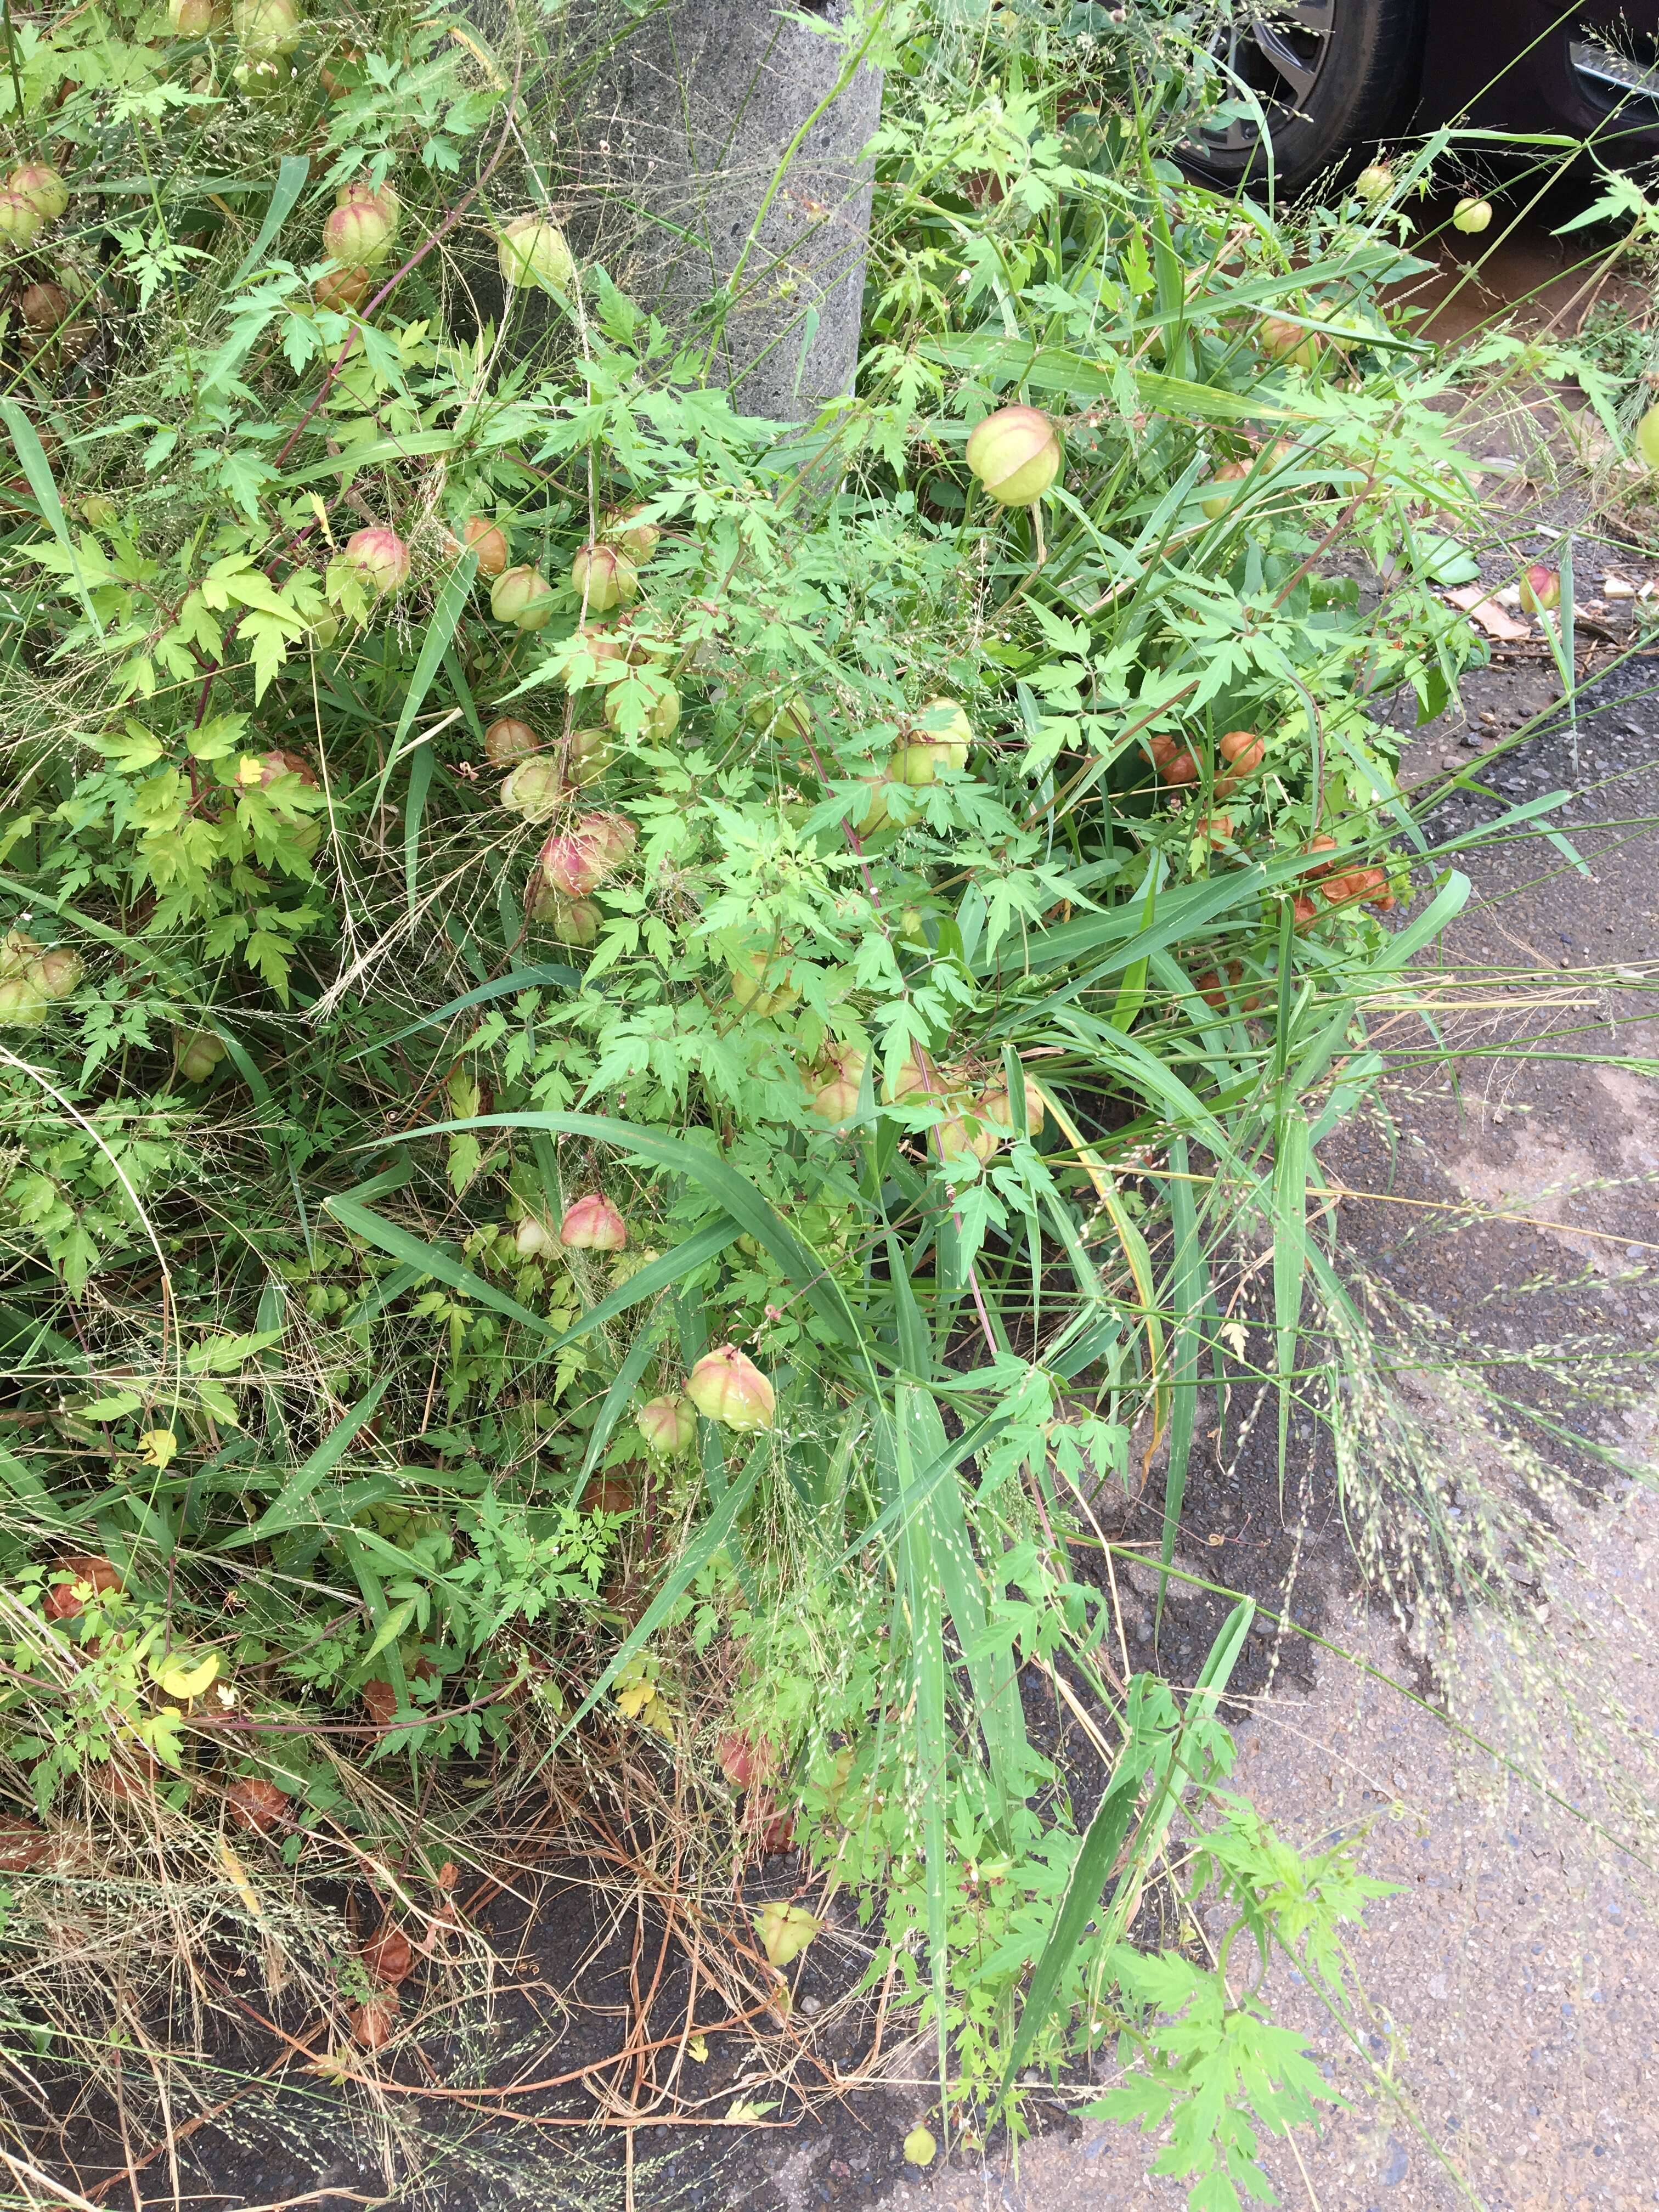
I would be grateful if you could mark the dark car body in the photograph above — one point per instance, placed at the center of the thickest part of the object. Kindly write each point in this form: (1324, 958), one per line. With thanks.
(1337, 79)
(1527, 65)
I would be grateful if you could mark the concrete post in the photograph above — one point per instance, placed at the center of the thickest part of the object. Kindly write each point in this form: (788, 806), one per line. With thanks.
(667, 140)
(750, 244)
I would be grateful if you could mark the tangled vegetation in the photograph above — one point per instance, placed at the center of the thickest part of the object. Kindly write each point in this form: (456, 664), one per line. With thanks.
(626, 1038)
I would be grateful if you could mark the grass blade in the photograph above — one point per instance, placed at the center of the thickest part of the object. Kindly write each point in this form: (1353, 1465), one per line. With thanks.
(282, 1513)
(292, 173)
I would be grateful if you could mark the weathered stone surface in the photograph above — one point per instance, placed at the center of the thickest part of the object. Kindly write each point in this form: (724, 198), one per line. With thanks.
(672, 157)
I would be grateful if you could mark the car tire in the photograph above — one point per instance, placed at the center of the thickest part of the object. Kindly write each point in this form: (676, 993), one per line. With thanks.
(1359, 81)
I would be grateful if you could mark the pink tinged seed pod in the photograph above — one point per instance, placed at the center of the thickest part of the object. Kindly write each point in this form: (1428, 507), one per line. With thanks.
(42, 187)
(571, 865)
(1015, 454)
(508, 741)
(379, 559)
(1541, 590)
(668, 1425)
(577, 860)
(605, 577)
(361, 193)
(340, 288)
(523, 596)
(488, 540)
(357, 235)
(725, 1386)
(592, 1224)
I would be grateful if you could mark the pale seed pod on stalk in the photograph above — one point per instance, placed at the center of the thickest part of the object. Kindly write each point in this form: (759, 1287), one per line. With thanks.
(1215, 504)
(836, 1097)
(197, 1053)
(532, 250)
(938, 739)
(725, 1386)
(605, 578)
(57, 974)
(533, 1236)
(573, 921)
(1015, 454)
(662, 709)
(266, 28)
(535, 788)
(523, 596)
(1288, 341)
(667, 1425)
(637, 538)
(41, 184)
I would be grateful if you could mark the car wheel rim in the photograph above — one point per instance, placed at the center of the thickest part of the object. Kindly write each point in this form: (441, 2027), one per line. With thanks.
(1280, 58)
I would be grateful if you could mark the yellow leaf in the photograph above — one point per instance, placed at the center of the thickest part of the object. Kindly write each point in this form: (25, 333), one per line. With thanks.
(250, 771)
(157, 1446)
(784, 1931)
(634, 1699)
(919, 2147)
(239, 1880)
(180, 1679)
(698, 2049)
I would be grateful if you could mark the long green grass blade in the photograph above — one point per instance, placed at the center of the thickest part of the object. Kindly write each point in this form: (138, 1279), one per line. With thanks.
(293, 172)
(1290, 1228)
(283, 1512)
